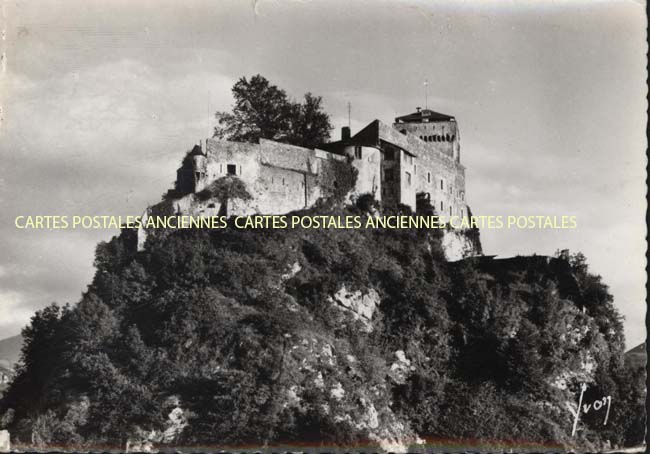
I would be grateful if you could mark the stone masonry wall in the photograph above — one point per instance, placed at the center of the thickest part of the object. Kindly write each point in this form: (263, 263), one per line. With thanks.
(434, 168)
(279, 177)
(408, 166)
(368, 166)
(440, 135)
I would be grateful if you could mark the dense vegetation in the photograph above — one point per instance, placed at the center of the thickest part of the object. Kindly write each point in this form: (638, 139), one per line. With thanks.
(239, 329)
(263, 111)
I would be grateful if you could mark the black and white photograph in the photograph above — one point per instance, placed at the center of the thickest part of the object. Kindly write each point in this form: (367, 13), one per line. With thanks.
(273, 226)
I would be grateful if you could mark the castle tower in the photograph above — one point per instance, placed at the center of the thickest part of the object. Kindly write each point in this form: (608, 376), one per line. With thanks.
(438, 130)
(439, 175)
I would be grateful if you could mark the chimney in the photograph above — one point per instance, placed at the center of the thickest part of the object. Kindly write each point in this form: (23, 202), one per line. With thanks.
(417, 109)
(345, 133)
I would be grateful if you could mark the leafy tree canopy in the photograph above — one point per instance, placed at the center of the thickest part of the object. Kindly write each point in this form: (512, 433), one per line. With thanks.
(263, 111)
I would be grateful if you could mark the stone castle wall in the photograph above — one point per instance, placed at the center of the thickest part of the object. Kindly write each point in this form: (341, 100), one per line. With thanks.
(444, 180)
(441, 136)
(280, 177)
(438, 171)
(283, 178)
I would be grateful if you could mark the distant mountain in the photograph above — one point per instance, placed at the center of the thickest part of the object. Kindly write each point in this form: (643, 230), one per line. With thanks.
(637, 356)
(10, 351)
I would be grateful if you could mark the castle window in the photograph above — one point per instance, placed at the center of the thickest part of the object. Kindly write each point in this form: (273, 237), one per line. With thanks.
(408, 178)
(357, 152)
(389, 154)
(449, 211)
(220, 168)
(430, 138)
(442, 184)
(428, 177)
(283, 182)
(389, 175)
(442, 207)
(453, 137)
(232, 169)
(403, 131)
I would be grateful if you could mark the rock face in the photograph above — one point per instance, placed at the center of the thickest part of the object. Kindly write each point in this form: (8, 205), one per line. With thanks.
(359, 305)
(321, 373)
(458, 245)
(5, 445)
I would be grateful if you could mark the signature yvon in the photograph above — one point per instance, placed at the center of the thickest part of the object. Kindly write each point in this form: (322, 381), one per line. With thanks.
(585, 408)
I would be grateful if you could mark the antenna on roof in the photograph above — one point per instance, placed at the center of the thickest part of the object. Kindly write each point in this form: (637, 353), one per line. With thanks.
(349, 114)
(209, 118)
(426, 93)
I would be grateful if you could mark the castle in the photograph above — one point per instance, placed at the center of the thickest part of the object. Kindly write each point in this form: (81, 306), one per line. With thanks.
(418, 156)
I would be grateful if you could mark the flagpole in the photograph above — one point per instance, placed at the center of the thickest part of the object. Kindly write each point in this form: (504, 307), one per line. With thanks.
(426, 93)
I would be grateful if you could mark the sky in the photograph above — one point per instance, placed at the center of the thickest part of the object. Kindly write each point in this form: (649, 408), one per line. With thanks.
(101, 99)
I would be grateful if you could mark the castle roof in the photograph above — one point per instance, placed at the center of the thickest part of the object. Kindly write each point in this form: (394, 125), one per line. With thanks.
(424, 115)
(378, 131)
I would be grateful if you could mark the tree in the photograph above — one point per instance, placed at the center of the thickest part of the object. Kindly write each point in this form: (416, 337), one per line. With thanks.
(225, 189)
(263, 111)
(310, 124)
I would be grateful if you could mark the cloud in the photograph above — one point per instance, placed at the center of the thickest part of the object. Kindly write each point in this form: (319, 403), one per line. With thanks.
(13, 313)
(100, 140)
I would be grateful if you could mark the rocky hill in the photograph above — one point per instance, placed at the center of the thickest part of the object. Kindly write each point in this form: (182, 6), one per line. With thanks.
(317, 337)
